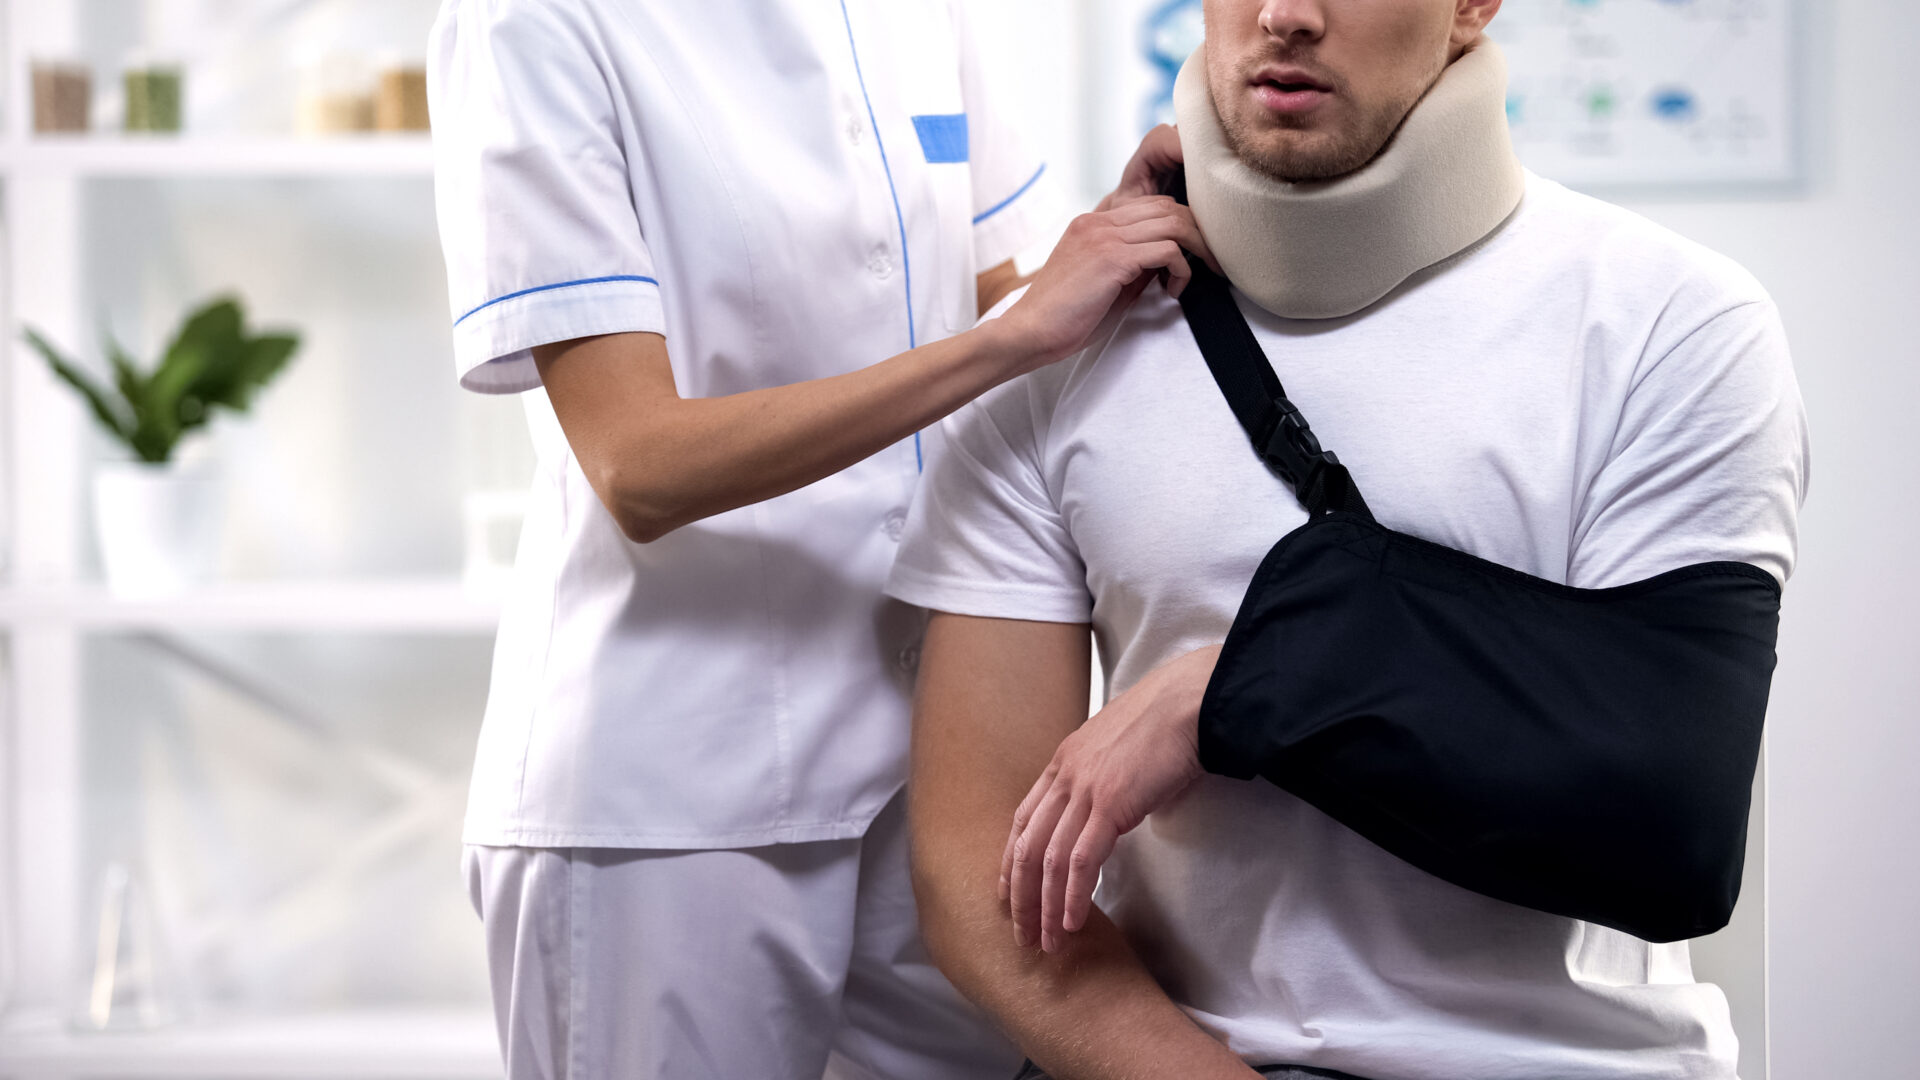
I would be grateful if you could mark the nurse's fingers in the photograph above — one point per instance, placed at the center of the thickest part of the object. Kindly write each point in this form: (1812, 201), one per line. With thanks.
(1090, 853)
(1159, 153)
(1020, 819)
(1179, 271)
(1176, 225)
(1057, 866)
(1145, 209)
(1024, 892)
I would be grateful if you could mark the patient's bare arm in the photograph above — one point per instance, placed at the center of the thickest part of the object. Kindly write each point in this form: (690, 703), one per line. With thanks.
(995, 698)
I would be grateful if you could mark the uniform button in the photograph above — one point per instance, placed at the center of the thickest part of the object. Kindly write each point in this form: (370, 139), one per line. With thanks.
(881, 264)
(855, 128)
(896, 525)
(909, 659)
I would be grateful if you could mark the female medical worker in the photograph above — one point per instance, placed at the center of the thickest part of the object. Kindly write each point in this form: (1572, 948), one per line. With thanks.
(703, 230)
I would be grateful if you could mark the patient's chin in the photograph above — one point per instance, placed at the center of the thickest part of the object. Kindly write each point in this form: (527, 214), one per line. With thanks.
(1294, 155)
(1297, 160)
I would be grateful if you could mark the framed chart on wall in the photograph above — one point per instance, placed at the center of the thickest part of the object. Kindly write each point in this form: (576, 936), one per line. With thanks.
(1608, 93)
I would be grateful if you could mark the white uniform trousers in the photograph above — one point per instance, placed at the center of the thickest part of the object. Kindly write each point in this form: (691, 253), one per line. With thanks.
(786, 962)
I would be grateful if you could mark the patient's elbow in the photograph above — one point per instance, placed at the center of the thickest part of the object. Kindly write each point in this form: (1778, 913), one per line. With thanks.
(936, 920)
(950, 931)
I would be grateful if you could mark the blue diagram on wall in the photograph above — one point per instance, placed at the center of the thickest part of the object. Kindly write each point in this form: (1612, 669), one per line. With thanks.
(1170, 33)
(1610, 92)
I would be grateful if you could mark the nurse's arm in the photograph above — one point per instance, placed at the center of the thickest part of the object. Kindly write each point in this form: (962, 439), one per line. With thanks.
(659, 461)
(995, 699)
(997, 284)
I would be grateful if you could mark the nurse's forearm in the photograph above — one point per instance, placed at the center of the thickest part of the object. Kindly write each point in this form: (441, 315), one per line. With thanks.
(659, 461)
(995, 285)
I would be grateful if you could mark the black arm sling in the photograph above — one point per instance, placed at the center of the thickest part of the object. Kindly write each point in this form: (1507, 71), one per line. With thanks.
(1584, 752)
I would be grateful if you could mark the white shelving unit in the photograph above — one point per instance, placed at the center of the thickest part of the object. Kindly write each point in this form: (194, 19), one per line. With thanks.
(369, 606)
(71, 157)
(394, 1045)
(47, 610)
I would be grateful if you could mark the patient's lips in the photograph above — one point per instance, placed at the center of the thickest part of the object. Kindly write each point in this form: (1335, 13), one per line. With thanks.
(1289, 90)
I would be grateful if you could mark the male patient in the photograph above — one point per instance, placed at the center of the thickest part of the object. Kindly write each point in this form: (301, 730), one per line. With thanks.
(1562, 387)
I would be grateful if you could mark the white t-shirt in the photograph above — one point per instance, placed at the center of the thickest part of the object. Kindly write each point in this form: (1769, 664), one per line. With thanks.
(1584, 397)
(786, 190)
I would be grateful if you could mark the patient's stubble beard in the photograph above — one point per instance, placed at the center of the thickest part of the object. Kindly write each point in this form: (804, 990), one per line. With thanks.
(1297, 154)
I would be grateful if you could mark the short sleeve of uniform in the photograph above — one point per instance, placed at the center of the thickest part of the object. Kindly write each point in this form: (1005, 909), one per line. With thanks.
(533, 187)
(1710, 462)
(984, 537)
(1016, 200)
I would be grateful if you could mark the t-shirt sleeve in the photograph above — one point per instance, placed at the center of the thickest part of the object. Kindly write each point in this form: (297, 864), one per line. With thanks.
(984, 537)
(1016, 201)
(533, 188)
(1710, 460)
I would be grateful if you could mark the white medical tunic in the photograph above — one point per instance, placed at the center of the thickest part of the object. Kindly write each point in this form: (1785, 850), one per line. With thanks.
(786, 190)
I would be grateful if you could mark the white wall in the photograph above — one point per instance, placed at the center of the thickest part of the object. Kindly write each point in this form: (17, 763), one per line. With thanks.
(1842, 257)
(1843, 261)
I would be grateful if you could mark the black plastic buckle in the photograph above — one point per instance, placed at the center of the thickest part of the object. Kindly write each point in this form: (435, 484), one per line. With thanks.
(1290, 448)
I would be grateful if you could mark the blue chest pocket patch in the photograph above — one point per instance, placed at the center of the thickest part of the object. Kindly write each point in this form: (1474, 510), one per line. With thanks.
(943, 138)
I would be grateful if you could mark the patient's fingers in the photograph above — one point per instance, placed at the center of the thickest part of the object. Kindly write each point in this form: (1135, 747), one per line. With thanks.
(1024, 889)
(1089, 855)
(1020, 816)
(1055, 867)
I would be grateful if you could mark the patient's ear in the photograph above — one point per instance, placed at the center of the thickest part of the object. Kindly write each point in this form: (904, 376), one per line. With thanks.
(1470, 19)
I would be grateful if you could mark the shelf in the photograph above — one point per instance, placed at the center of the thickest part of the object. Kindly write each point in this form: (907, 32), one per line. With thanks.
(368, 606)
(390, 1045)
(188, 156)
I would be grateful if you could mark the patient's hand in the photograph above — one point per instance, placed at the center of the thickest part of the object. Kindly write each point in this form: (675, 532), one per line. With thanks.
(1126, 762)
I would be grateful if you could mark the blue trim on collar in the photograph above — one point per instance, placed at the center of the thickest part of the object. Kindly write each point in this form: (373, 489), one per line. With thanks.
(549, 288)
(1009, 200)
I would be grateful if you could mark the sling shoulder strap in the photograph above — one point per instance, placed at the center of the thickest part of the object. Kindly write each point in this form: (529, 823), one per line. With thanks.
(1280, 434)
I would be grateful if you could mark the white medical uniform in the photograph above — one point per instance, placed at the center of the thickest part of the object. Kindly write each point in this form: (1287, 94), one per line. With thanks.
(786, 190)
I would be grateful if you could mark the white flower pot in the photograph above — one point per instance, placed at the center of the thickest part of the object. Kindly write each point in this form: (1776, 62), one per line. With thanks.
(158, 526)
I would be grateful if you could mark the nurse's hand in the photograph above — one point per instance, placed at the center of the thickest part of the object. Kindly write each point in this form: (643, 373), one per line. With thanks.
(1129, 760)
(1158, 155)
(1103, 262)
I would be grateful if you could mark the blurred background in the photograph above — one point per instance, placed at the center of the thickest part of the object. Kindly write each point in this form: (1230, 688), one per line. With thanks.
(239, 692)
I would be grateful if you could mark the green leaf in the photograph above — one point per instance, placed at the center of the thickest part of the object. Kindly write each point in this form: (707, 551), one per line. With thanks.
(219, 322)
(133, 386)
(264, 358)
(205, 344)
(96, 397)
(154, 448)
(234, 374)
(211, 363)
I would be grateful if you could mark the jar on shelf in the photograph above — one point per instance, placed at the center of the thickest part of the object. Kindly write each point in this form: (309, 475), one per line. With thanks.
(62, 96)
(155, 94)
(400, 101)
(337, 94)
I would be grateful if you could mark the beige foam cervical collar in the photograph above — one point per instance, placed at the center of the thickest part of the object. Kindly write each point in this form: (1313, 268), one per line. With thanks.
(1324, 249)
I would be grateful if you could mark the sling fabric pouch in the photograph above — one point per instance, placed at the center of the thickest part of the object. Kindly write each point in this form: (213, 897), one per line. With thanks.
(1584, 752)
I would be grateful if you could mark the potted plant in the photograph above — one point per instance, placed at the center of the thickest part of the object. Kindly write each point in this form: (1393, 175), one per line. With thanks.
(157, 522)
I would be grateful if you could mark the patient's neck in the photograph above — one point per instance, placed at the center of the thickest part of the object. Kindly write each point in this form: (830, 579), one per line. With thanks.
(1325, 249)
